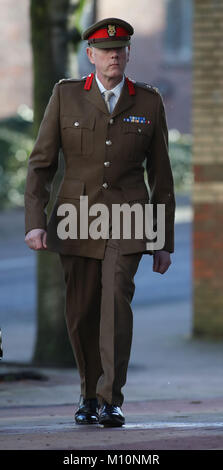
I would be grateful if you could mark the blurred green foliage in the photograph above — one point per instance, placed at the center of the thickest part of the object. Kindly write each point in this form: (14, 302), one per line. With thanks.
(180, 150)
(16, 144)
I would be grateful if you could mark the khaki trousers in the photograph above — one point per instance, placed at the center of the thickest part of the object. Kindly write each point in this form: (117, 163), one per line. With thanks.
(99, 319)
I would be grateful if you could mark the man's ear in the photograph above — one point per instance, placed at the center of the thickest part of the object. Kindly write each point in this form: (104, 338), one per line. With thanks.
(128, 53)
(90, 54)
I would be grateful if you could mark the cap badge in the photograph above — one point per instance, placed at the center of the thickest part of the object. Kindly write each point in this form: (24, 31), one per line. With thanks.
(111, 30)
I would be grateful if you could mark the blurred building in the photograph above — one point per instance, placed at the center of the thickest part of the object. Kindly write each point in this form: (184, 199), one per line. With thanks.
(15, 57)
(160, 54)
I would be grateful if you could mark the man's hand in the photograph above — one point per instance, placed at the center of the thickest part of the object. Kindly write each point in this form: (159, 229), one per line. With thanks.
(36, 239)
(161, 261)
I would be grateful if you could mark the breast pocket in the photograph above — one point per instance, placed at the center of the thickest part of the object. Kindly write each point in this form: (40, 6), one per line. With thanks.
(136, 139)
(78, 134)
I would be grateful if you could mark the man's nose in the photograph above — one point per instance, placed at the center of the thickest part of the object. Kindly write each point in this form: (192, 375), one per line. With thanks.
(114, 52)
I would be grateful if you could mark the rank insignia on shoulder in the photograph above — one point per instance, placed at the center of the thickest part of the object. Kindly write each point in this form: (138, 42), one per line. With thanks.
(148, 87)
(68, 80)
(137, 119)
(131, 79)
(153, 88)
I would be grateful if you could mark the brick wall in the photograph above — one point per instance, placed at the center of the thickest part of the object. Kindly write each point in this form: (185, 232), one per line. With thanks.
(15, 56)
(208, 168)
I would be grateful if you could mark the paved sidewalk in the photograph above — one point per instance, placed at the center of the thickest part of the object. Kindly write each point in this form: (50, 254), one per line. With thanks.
(174, 390)
(173, 395)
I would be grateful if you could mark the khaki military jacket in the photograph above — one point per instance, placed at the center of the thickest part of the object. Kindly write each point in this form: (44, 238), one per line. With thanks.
(105, 155)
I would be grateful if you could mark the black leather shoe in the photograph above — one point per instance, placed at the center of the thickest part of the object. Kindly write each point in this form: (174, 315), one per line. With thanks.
(88, 411)
(111, 415)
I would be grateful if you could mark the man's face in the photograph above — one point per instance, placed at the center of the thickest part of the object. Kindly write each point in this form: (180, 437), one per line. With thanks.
(109, 63)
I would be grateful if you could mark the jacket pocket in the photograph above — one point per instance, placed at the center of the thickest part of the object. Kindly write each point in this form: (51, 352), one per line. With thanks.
(78, 134)
(136, 138)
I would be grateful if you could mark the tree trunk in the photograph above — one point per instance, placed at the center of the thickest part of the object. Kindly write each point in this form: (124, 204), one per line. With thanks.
(49, 33)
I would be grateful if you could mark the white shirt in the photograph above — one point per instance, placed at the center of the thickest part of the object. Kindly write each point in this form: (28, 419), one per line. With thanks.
(116, 90)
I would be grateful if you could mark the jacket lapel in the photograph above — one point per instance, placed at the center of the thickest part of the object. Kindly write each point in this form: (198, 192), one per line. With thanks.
(94, 96)
(124, 102)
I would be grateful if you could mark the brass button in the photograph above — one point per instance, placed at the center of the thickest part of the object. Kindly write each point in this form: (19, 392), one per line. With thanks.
(76, 123)
(105, 185)
(108, 142)
(107, 164)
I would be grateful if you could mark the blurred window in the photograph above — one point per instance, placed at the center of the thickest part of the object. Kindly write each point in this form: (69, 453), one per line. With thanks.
(178, 31)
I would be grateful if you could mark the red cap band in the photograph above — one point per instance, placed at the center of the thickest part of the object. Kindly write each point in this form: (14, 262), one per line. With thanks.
(103, 33)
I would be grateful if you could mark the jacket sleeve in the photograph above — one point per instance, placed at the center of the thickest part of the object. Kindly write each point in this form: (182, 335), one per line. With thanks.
(42, 166)
(159, 173)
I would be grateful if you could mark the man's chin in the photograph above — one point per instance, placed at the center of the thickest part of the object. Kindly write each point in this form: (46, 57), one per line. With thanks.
(115, 72)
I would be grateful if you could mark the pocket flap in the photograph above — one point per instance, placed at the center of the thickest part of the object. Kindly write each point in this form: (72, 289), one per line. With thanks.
(78, 122)
(136, 128)
(71, 188)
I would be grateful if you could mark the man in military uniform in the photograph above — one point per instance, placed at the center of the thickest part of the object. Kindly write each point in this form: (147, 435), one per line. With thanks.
(108, 126)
